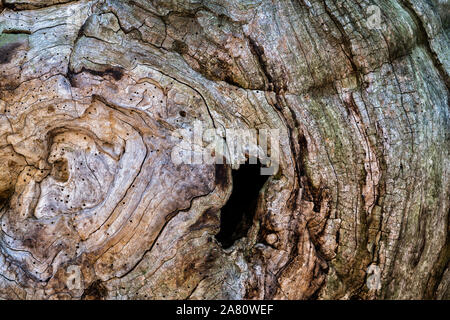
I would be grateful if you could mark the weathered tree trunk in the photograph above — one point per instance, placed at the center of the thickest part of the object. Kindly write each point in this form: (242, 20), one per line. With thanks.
(94, 93)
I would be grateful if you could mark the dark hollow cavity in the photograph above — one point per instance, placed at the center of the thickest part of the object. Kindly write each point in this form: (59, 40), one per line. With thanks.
(237, 215)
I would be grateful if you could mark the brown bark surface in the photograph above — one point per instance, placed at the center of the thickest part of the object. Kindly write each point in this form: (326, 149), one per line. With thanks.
(93, 92)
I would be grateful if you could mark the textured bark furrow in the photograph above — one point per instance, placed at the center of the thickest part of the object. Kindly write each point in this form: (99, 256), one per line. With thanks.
(425, 39)
(96, 94)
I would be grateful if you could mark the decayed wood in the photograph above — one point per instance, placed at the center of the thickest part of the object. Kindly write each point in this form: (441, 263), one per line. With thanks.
(93, 206)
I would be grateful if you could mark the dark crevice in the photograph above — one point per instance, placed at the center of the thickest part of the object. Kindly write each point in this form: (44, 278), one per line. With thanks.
(115, 72)
(237, 215)
(16, 31)
(258, 52)
(22, 6)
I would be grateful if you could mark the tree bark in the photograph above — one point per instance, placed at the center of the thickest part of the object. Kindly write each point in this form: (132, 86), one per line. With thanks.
(92, 97)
